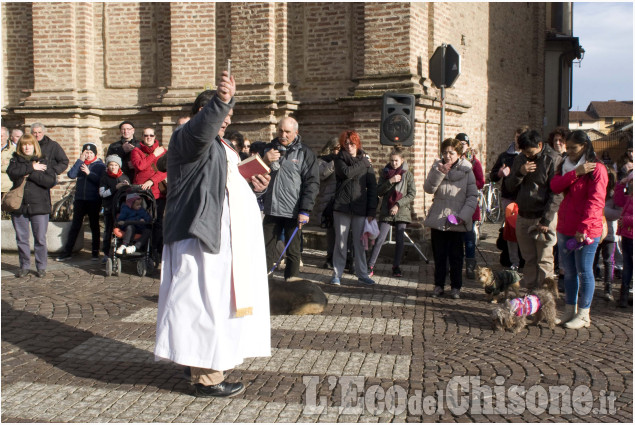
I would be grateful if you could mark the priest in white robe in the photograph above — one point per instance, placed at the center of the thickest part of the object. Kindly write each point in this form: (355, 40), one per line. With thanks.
(214, 299)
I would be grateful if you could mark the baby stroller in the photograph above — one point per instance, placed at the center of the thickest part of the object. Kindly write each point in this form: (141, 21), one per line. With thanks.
(143, 256)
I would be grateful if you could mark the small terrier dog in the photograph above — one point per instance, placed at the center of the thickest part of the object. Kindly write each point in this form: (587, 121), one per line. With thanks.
(541, 305)
(495, 283)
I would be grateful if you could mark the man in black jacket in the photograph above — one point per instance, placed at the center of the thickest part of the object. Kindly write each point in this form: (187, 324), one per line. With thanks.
(295, 182)
(51, 150)
(530, 177)
(501, 170)
(124, 146)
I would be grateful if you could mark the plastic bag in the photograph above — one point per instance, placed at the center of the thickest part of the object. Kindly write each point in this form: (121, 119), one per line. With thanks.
(371, 231)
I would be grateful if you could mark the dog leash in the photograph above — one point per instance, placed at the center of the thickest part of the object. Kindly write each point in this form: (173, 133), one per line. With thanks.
(283, 251)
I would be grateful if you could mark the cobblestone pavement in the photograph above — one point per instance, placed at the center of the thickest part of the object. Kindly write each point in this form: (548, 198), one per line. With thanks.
(77, 347)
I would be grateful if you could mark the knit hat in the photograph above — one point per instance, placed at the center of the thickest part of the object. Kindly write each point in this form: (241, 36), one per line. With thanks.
(113, 158)
(463, 138)
(90, 147)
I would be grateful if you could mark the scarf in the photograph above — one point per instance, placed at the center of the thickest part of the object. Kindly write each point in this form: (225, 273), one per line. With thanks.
(568, 165)
(388, 172)
(87, 162)
(149, 149)
(349, 159)
(469, 154)
(113, 175)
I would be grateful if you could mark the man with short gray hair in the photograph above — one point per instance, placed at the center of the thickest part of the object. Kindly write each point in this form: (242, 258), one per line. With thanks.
(52, 150)
(295, 182)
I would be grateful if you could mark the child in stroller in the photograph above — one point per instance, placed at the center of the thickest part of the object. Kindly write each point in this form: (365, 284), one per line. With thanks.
(132, 211)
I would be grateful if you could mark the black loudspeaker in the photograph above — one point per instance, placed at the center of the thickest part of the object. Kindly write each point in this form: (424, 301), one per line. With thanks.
(397, 119)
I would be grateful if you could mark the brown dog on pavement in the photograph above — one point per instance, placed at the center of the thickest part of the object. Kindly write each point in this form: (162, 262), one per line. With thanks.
(540, 304)
(495, 283)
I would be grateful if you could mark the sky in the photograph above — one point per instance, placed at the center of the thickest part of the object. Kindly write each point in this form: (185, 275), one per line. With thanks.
(606, 71)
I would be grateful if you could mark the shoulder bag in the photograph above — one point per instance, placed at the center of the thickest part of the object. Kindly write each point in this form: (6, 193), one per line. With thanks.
(12, 201)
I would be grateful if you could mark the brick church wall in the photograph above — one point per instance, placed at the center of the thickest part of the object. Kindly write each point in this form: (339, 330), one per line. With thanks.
(82, 68)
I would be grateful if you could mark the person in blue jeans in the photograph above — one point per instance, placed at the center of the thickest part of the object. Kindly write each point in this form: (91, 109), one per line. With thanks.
(583, 179)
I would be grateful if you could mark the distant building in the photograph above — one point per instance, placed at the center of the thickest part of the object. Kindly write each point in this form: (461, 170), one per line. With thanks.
(602, 116)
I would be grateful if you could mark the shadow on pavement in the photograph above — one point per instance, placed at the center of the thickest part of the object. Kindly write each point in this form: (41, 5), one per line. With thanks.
(114, 363)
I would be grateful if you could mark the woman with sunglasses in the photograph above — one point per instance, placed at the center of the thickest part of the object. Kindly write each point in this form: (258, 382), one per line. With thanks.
(144, 160)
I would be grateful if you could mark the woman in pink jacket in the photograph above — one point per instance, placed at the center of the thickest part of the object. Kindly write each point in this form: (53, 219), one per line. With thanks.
(624, 198)
(583, 179)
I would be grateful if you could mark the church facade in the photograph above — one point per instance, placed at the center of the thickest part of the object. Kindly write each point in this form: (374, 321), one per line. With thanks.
(82, 68)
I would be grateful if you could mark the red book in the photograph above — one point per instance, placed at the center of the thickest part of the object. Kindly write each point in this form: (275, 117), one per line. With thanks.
(252, 166)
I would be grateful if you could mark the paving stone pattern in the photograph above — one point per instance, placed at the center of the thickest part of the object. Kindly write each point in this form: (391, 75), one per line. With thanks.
(77, 347)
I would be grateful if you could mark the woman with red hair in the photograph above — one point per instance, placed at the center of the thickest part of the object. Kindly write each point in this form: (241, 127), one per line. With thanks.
(355, 202)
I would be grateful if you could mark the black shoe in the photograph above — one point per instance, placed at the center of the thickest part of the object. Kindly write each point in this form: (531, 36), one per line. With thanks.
(41, 273)
(561, 283)
(396, 271)
(328, 265)
(63, 257)
(22, 273)
(224, 389)
(187, 373)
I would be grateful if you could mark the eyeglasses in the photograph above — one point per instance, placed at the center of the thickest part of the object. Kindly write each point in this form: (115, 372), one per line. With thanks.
(148, 135)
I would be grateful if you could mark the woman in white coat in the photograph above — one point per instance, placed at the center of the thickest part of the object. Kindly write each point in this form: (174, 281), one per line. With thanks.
(453, 185)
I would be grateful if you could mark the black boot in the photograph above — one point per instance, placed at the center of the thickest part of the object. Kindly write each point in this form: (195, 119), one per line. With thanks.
(608, 291)
(608, 284)
(470, 266)
(623, 303)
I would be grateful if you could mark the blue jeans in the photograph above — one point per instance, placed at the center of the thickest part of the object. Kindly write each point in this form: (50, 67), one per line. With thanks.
(579, 283)
(470, 242)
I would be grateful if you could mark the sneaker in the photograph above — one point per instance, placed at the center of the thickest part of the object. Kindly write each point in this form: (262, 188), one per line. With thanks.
(41, 273)
(63, 257)
(104, 259)
(335, 281)
(366, 280)
(328, 265)
(396, 271)
(514, 267)
(131, 249)
(121, 249)
(608, 296)
(371, 271)
(455, 293)
(438, 291)
(22, 273)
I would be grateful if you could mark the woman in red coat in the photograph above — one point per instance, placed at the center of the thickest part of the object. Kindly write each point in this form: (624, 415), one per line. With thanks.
(583, 179)
(144, 160)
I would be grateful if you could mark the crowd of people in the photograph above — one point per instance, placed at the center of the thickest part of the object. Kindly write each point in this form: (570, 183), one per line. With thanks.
(559, 190)
(571, 208)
